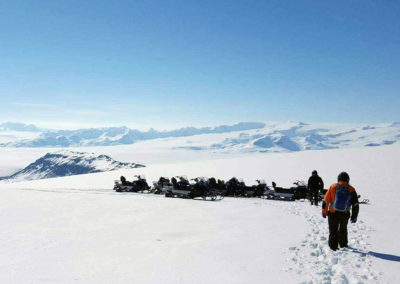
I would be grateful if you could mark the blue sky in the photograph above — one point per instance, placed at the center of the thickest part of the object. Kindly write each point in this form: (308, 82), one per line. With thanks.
(166, 64)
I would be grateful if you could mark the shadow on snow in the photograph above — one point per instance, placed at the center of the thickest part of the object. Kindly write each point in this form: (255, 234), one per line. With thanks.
(383, 256)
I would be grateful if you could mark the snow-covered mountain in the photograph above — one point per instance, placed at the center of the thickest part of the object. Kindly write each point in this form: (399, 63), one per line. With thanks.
(241, 137)
(297, 136)
(120, 135)
(17, 126)
(68, 163)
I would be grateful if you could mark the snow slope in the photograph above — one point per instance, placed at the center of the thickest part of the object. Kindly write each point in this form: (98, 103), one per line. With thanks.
(76, 229)
(67, 163)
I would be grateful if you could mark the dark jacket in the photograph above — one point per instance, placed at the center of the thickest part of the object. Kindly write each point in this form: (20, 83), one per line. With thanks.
(315, 183)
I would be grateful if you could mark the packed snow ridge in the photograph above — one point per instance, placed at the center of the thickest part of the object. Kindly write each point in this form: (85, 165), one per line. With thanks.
(68, 163)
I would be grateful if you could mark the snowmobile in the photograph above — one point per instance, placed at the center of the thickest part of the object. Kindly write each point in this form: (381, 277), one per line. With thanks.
(282, 193)
(236, 188)
(269, 193)
(259, 189)
(203, 188)
(138, 185)
(183, 189)
(162, 185)
(218, 186)
(180, 187)
(300, 190)
(294, 193)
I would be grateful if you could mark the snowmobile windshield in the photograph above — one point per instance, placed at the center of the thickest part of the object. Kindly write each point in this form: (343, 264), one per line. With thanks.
(300, 183)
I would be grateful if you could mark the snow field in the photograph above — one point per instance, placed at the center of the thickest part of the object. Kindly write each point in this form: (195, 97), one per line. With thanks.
(77, 228)
(103, 237)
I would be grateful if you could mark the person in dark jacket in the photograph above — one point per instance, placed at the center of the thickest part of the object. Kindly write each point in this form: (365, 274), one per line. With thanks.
(315, 184)
(123, 180)
(336, 205)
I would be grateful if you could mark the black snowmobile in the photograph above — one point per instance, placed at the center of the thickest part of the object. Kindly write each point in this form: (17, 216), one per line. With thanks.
(200, 188)
(138, 185)
(237, 188)
(218, 186)
(300, 190)
(281, 193)
(257, 190)
(162, 185)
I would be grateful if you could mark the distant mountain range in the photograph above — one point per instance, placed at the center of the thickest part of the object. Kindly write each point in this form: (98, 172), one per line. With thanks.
(241, 137)
(17, 126)
(297, 136)
(111, 135)
(250, 137)
(68, 163)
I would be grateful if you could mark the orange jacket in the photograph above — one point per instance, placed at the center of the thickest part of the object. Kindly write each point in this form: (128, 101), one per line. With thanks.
(330, 198)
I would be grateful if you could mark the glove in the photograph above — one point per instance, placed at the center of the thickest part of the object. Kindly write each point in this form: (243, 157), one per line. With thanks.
(323, 215)
(353, 220)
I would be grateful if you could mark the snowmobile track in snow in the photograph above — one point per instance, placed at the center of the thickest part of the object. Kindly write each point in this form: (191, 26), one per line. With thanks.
(314, 262)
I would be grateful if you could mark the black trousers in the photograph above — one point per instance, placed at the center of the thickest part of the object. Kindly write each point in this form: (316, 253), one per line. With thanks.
(314, 197)
(338, 229)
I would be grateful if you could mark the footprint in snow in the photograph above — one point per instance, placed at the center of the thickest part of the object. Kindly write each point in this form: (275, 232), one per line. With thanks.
(315, 262)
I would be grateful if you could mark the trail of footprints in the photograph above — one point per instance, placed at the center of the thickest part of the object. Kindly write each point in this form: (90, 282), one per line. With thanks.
(315, 262)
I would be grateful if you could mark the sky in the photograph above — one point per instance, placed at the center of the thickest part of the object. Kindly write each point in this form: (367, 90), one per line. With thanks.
(166, 64)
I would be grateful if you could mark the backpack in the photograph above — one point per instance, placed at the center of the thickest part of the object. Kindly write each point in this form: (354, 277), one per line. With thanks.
(342, 198)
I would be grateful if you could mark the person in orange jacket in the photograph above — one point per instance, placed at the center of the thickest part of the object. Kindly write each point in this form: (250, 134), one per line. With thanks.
(341, 196)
